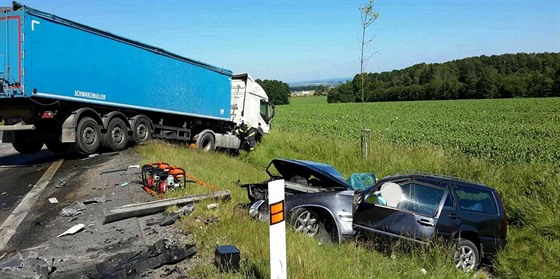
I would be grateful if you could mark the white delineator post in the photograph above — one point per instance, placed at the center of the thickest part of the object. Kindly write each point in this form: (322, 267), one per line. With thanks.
(278, 269)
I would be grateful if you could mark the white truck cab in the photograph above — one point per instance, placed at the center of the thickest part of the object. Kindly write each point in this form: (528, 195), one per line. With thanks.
(249, 103)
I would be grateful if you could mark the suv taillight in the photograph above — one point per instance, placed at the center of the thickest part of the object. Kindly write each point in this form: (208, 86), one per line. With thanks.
(504, 212)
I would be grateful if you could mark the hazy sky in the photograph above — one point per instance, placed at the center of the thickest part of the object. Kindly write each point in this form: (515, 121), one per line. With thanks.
(310, 39)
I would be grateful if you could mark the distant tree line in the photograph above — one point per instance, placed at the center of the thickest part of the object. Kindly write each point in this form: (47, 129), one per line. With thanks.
(277, 91)
(496, 76)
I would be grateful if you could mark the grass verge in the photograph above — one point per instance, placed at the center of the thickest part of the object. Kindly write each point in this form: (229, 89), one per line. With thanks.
(529, 192)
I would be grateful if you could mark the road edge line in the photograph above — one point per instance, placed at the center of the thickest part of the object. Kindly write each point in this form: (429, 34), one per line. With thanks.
(10, 225)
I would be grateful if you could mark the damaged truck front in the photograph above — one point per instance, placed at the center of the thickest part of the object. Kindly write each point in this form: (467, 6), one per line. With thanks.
(318, 198)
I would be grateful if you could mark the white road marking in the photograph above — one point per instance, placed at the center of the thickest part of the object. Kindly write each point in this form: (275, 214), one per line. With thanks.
(9, 227)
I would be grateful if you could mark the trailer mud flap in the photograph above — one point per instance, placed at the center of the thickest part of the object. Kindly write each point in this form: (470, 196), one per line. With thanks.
(69, 130)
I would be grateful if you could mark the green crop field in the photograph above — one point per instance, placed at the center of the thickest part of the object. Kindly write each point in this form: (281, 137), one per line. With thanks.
(505, 130)
(511, 145)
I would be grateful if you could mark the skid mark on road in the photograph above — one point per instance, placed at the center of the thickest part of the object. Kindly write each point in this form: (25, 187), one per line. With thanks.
(9, 227)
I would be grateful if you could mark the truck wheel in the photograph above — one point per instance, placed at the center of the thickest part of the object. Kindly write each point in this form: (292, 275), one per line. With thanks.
(26, 142)
(88, 138)
(55, 146)
(466, 257)
(116, 136)
(206, 142)
(142, 131)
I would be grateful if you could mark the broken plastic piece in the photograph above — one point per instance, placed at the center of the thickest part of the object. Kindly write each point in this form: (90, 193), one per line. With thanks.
(161, 253)
(53, 200)
(73, 210)
(72, 230)
(124, 184)
(212, 206)
(100, 199)
(170, 218)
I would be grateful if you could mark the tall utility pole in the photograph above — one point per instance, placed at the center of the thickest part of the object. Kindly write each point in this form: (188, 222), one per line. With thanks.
(368, 17)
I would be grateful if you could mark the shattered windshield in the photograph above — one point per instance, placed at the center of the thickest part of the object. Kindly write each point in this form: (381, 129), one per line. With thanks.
(361, 181)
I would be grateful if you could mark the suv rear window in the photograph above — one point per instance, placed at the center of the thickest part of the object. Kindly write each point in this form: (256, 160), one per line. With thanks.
(476, 200)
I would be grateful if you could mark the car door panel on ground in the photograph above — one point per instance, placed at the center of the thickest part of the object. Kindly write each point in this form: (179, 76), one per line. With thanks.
(414, 215)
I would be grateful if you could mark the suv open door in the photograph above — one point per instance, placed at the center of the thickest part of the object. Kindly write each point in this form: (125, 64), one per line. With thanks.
(409, 209)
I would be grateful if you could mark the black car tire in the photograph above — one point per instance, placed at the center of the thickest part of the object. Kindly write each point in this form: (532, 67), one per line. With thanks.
(88, 137)
(307, 221)
(26, 142)
(467, 256)
(116, 137)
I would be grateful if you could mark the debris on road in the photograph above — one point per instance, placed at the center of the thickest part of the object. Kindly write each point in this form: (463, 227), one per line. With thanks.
(62, 183)
(124, 184)
(73, 209)
(96, 200)
(14, 265)
(147, 208)
(212, 206)
(169, 218)
(72, 230)
(163, 252)
(112, 171)
(120, 170)
(53, 200)
(90, 156)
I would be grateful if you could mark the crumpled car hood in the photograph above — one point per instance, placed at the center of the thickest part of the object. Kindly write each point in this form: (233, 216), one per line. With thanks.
(288, 168)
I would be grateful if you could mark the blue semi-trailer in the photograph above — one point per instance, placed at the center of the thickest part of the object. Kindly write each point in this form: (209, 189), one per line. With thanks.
(74, 87)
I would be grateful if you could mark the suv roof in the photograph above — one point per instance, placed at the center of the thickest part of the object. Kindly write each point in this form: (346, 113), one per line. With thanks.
(435, 178)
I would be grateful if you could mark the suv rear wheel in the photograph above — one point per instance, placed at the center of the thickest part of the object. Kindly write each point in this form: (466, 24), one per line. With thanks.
(467, 256)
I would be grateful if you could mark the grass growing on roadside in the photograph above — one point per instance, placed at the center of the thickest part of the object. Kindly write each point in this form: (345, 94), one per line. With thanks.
(309, 129)
(528, 190)
(306, 257)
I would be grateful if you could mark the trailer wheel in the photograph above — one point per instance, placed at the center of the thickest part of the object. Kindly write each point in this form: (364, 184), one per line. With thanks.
(27, 142)
(206, 142)
(116, 136)
(142, 131)
(88, 138)
(55, 146)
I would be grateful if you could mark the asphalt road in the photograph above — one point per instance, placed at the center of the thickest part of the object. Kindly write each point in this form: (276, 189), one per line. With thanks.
(77, 179)
(18, 174)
